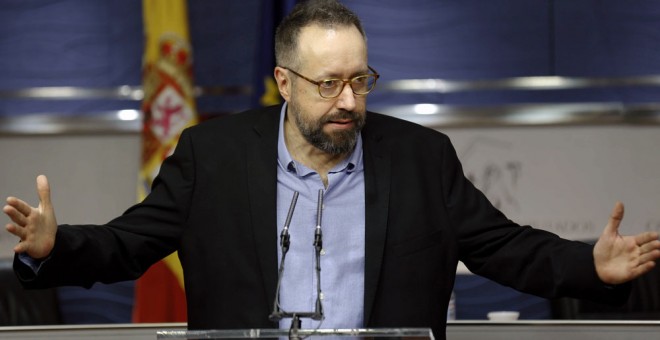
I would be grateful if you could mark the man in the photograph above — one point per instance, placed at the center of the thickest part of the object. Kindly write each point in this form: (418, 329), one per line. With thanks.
(397, 213)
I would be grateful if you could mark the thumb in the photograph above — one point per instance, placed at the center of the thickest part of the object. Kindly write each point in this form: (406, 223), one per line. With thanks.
(612, 228)
(43, 190)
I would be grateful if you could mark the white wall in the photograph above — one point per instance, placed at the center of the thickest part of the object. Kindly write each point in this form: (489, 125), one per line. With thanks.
(93, 177)
(567, 179)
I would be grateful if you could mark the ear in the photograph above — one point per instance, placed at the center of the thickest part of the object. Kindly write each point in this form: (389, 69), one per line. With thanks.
(283, 83)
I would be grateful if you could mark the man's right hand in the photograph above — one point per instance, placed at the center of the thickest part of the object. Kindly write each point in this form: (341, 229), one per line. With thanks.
(36, 227)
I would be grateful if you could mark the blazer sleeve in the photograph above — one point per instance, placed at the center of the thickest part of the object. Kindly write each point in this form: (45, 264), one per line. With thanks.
(124, 248)
(524, 258)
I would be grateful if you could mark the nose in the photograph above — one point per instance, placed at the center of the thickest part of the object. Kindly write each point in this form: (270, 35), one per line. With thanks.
(346, 99)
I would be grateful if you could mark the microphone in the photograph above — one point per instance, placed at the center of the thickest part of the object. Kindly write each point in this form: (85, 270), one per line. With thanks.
(317, 314)
(285, 242)
(318, 246)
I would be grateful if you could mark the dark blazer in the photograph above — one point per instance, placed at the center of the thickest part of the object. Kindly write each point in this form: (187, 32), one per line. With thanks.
(215, 202)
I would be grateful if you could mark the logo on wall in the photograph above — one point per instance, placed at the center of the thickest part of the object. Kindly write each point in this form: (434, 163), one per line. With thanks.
(489, 165)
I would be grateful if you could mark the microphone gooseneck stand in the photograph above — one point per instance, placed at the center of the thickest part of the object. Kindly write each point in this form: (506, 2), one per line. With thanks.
(278, 313)
(285, 242)
(318, 246)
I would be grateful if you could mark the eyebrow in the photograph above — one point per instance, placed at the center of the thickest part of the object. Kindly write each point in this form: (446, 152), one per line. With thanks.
(336, 76)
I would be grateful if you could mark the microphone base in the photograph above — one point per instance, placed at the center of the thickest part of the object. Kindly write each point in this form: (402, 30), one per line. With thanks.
(295, 327)
(295, 321)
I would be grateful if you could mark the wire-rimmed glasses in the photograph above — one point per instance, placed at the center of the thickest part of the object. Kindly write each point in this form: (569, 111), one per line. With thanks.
(331, 88)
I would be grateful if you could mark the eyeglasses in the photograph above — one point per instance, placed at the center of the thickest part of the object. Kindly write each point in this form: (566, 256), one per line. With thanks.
(331, 88)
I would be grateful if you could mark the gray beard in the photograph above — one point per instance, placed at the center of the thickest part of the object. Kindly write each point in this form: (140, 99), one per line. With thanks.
(338, 143)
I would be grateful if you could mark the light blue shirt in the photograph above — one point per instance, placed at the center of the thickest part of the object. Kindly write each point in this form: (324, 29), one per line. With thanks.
(343, 225)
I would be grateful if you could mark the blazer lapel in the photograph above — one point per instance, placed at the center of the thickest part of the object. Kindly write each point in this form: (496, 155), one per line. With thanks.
(377, 173)
(262, 188)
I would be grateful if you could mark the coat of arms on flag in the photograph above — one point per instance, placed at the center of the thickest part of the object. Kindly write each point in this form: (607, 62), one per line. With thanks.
(168, 102)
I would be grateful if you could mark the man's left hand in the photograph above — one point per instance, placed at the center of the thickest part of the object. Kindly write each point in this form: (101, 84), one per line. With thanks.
(618, 258)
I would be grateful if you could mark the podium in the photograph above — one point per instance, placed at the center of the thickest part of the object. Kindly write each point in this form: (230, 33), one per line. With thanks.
(385, 333)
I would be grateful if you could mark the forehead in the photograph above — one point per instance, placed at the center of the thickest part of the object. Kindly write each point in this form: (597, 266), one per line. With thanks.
(332, 49)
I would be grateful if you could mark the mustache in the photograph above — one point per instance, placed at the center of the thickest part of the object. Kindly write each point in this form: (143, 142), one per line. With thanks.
(340, 115)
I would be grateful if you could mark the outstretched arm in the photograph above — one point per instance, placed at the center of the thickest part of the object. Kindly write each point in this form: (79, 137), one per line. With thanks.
(36, 227)
(618, 258)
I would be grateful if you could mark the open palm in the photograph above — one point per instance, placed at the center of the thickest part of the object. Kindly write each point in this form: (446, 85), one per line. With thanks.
(35, 226)
(618, 258)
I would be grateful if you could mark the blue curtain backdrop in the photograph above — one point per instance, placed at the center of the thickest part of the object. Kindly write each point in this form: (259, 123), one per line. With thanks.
(99, 44)
(69, 43)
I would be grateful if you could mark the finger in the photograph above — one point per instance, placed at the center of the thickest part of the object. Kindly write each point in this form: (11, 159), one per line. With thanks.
(643, 269)
(616, 216)
(649, 246)
(650, 256)
(646, 238)
(15, 230)
(19, 205)
(43, 189)
(15, 215)
(21, 247)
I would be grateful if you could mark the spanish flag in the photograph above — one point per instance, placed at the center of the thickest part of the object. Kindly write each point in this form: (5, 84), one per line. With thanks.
(168, 108)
